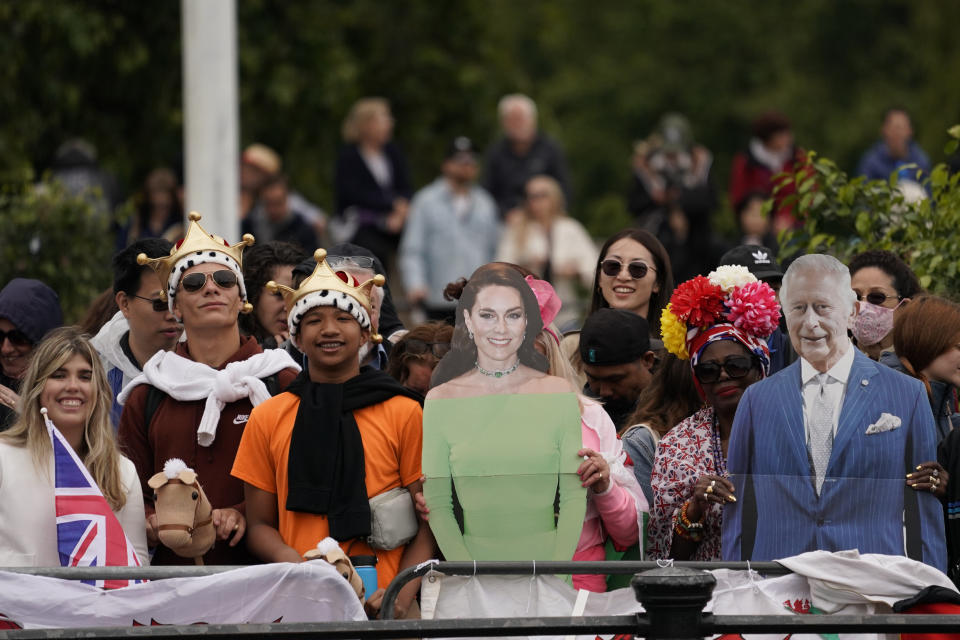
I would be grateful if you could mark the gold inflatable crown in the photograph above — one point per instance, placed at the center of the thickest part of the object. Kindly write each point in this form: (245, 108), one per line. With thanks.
(324, 278)
(195, 241)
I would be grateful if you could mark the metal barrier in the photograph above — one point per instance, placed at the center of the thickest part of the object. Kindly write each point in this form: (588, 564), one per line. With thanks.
(672, 597)
(552, 568)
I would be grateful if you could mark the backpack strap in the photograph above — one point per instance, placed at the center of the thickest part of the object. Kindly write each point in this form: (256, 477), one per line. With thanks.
(151, 404)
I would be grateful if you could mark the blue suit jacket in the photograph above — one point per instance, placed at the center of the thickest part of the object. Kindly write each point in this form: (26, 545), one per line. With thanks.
(864, 503)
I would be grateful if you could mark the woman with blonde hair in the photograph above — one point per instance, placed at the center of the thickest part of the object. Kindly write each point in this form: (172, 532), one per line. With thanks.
(615, 503)
(64, 377)
(552, 245)
(373, 186)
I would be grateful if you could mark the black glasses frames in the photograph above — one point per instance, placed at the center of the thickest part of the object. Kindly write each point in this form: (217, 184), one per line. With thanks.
(735, 366)
(159, 304)
(16, 337)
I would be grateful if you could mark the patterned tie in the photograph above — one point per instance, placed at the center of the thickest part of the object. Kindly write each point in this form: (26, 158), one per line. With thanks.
(821, 432)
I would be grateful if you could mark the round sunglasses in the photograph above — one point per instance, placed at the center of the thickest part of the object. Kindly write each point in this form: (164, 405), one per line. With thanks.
(418, 347)
(637, 270)
(159, 304)
(735, 366)
(16, 337)
(224, 278)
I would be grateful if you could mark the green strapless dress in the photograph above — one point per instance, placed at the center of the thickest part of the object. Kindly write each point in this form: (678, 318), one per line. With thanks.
(508, 456)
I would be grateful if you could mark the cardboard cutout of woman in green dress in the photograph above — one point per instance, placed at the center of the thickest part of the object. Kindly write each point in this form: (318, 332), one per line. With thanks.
(502, 433)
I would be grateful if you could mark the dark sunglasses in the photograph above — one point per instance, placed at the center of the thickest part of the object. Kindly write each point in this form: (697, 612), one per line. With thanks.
(195, 281)
(16, 337)
(735, 366)
(877, 298)
(419, 347)
(159, 304)
(637, 270)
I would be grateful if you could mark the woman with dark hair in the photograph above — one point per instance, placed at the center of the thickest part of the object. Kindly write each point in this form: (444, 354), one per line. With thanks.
(495, 423)
(670, 397)
(633, 273)
(261, 264)
(926, 336)
(720, 323)
(770, 151)
(883, 282)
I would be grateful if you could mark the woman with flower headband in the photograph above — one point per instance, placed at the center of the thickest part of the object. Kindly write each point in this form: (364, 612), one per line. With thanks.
(720, 323)
(497, 424)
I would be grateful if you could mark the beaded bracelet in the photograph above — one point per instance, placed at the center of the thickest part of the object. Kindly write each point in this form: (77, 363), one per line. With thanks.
(683, 527)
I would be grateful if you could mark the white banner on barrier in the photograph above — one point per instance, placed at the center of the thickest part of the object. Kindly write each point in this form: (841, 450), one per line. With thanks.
(306, 592)
(844, 582)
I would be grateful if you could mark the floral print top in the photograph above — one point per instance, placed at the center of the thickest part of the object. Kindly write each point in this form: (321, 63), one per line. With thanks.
(683, 455)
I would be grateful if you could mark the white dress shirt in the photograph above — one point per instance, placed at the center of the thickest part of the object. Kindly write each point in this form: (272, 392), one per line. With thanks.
(834, 389)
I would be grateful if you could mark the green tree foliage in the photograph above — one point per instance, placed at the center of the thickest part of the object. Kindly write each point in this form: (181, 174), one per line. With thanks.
(601, 72)
(844, 216)
(56, 238)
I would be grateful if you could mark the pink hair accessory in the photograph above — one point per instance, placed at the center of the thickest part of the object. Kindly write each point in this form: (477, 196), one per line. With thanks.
(547, 299)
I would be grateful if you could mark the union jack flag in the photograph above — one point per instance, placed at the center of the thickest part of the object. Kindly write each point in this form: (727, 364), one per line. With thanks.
(88, 532)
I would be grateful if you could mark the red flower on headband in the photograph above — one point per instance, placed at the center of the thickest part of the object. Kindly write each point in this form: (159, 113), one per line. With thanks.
(753, 307)
(698, 302)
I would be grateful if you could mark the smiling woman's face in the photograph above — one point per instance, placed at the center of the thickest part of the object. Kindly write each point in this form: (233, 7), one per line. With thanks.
(622, 291)
(498, 324)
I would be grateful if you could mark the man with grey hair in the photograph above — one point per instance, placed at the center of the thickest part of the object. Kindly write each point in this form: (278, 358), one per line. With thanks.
(522, 152)
(819, 452)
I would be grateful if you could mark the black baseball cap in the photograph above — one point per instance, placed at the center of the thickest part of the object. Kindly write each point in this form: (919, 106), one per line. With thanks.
(613, 336)
(759, 260)
(461, 145)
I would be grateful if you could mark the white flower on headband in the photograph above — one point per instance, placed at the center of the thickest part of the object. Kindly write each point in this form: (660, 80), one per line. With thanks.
(730, 276)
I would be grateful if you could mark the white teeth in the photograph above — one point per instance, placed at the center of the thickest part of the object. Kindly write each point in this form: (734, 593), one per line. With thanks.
(70, 402)
(622, 290)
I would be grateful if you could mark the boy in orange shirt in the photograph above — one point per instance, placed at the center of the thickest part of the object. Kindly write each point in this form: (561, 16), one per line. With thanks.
(312, 457)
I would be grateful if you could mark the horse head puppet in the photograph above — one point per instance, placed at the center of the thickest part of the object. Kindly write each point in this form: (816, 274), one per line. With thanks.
(184, 514)
(328, 549)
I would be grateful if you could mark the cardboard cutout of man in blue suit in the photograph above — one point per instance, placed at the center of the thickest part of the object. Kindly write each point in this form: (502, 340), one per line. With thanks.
(882, 428)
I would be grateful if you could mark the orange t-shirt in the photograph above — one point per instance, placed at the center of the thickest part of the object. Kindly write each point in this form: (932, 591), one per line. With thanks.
(392, 434)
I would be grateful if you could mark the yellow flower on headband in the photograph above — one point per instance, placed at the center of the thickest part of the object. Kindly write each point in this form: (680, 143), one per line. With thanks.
(674, 333)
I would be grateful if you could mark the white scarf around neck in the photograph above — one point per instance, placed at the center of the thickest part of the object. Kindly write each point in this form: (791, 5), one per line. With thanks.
(186, 380)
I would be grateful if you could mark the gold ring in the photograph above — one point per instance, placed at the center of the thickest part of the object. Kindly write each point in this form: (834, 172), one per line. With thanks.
(709, 490)
(236, 527)
(933, 489)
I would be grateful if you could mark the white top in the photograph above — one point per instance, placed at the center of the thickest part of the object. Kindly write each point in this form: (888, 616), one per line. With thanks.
(377, 163)
(28, 516)
(833, 390)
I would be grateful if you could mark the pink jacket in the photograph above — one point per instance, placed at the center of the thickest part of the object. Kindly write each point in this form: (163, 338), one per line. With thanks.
(616, 513)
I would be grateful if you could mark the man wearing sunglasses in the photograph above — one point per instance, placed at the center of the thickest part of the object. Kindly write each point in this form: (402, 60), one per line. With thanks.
(819, 452)
(29, 309)
(143, 325)
(193, 403)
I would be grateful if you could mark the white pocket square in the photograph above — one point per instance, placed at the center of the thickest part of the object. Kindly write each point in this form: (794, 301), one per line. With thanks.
(887, 422)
